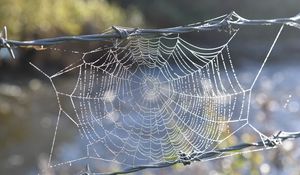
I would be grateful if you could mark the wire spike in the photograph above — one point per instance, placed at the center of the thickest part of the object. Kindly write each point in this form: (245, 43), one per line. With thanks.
(297, 16)
(5, 32)
(87, 168)
(121, 32)
(4, 43)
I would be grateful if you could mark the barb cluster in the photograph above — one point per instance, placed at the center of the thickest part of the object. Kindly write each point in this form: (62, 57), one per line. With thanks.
(4, 43)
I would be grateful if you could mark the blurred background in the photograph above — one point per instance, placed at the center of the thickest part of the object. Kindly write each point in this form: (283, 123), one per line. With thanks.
(28, 109)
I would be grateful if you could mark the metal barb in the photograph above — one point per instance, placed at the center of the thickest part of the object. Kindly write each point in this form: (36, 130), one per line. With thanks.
(184, 158)
(4, 43)
(87, 170)
(122, 32)
(225, 24)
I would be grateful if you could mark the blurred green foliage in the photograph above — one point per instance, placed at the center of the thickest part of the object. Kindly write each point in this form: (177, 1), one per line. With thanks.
(44, 18)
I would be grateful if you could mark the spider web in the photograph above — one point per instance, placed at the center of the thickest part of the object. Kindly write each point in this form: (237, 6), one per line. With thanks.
(148, 99)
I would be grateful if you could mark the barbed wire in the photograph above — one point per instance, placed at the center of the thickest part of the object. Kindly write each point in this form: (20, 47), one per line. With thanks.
(186, 159)
(225, 22)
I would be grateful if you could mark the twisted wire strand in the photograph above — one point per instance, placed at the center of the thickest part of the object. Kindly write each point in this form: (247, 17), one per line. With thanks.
(226, 22)
(272, 142)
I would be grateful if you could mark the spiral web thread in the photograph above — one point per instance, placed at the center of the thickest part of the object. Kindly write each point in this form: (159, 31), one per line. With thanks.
(149, 100)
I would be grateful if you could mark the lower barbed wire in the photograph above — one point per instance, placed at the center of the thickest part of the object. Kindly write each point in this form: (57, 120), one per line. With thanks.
(187, 159)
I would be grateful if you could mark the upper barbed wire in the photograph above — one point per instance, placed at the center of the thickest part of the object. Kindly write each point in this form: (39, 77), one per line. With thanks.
(228, 21)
